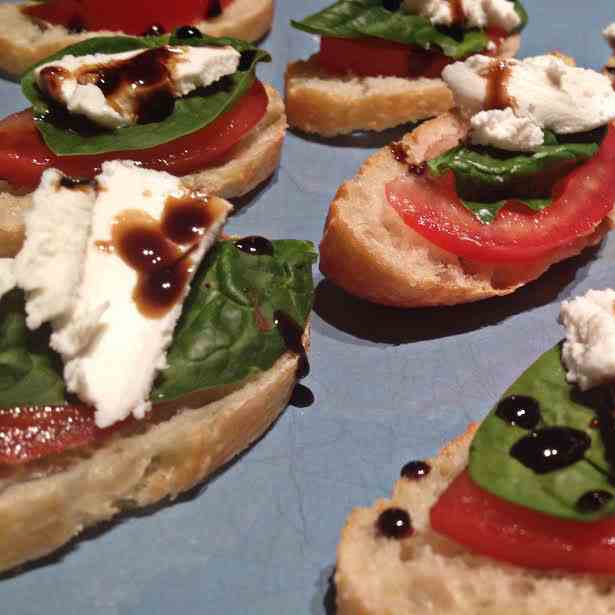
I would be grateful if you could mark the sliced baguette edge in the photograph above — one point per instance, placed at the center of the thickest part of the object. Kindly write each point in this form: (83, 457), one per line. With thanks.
(23, 42)
(247, 165)
(370, 252)
(429, 574)
(328, 104)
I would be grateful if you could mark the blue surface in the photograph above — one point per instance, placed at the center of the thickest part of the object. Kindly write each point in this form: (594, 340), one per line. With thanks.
(390, 386)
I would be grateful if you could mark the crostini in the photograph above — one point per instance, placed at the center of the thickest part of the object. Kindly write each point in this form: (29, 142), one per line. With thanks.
(513, 517)
(190, 106)
(476, 204)
(380, 62)
(31, 31)
(140, 352)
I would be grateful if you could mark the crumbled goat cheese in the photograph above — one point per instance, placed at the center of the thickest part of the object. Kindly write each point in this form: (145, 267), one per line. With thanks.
(7, 276)
(48, 267)
(589, 350)
(478, 13)
(542, 90)
(189, 68)
(501, 128)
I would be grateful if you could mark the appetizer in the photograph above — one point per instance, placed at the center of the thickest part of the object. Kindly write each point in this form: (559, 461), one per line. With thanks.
(190, 106)
(33, 30)
(609, 35)
(477, 203)
(513, 517)
(380, 61)
(139, 352)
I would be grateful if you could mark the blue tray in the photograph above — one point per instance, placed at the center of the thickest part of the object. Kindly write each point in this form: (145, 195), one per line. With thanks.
(390, 386)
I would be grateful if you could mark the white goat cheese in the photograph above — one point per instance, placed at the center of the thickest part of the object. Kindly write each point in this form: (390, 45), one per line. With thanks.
(501, 128)
(71, 83)
(48, 267)
(543, 91)
(477, 13)
(609, 34)
(115, 369)
(589, 350)
(7, 276)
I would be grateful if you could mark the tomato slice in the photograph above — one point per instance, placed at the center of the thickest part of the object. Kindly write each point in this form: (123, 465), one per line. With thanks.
(24, 155)
(511, 533)
(33, 432)
(581, 201)
(134, 17)
(373, 57)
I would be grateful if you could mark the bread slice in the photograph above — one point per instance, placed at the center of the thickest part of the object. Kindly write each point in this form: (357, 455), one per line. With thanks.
(23, 41)
(248, 164)
(428, 573)
(330, 104)
(41, 511)
(370, 252)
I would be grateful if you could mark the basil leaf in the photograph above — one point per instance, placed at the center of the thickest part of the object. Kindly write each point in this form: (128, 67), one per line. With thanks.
(226, 333)
(487, 212)
(369, 18)
(191, 113)
(486, 178)
(557, 492)
(219, 340)
(30, 373)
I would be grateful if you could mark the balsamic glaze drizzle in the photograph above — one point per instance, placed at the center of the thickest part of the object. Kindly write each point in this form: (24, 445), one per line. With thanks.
(593, 501)
(292, 334)
(395, 523)
(415, 470)
(255, 245)
(519, 410)
(302, 397)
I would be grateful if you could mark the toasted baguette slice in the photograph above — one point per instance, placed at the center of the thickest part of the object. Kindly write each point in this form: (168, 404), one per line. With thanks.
(370, 252)
(247, 165)
(428, 573)
(23, 41)
(329, 104)
(40, 514)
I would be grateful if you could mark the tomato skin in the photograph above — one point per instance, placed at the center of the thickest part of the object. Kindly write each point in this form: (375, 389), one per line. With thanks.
(24, 155)
(511, 533)
(373, 57)
(134, 17)
(581, 200)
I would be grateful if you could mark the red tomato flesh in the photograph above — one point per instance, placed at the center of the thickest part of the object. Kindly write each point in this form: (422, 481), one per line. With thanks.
(33, 432)
(510, 533)
(133, 17)
(24, 155)
(372, 57)
(581, 200)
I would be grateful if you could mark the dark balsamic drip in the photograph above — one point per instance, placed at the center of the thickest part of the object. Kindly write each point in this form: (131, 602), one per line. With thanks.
(520, 411)
(458, 14)
(391, 5)
(399, 151)
(395, 523)
(51, 79)
(292, 334)
(594, 423)
(184, 221)
(255, 245)
(188, 32)
(302, 397)
(593, 501)
(246, 60)
(415, 470)
(75, 183)
(552, 448)
(497, 77)
(214, 9)
(146, 75)
(155, 30)
(417, 169)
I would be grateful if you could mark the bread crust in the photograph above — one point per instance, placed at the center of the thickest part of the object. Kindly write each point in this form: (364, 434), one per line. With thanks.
(330, 104)
(370, 252)
(428, 573)
(247, 165)
(23, 42)
(39, 515)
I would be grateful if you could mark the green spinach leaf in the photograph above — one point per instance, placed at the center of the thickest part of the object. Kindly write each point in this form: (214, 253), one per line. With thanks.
(224, 336)
(557, 492)
(191, 113)
(369, 18)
